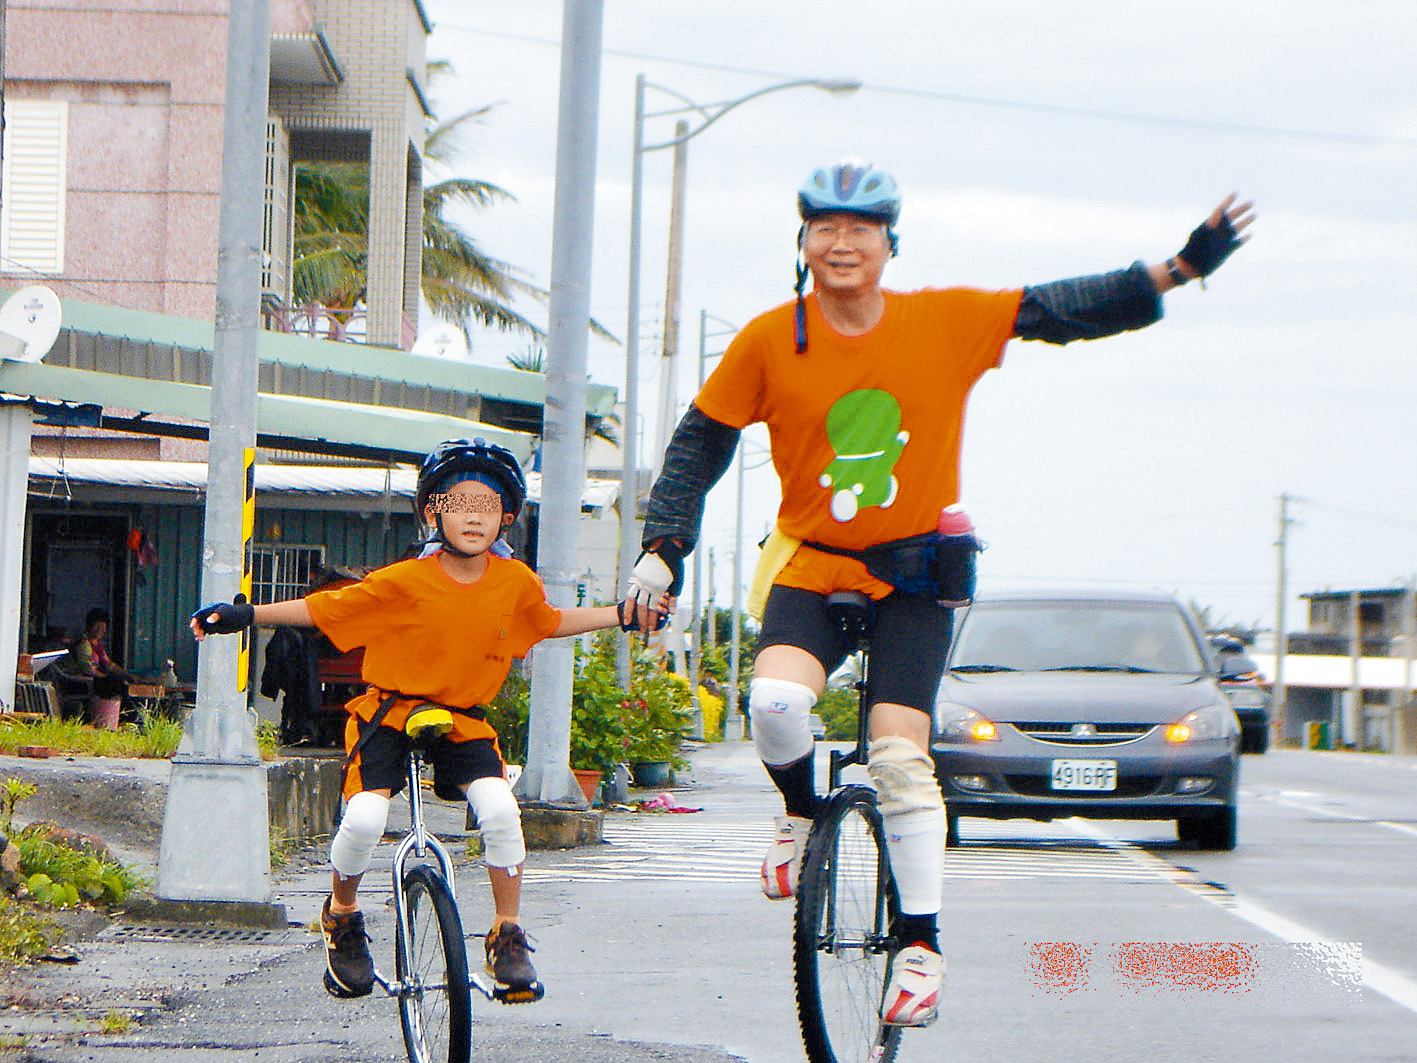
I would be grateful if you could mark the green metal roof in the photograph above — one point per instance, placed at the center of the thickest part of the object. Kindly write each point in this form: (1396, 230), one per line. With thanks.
(292, 421)
(289, 351)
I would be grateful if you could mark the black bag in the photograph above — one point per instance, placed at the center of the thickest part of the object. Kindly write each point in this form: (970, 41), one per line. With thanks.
(924, 566)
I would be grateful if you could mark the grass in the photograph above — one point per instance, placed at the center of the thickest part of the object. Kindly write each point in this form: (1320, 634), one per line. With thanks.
(115, 1022)
(155, 737)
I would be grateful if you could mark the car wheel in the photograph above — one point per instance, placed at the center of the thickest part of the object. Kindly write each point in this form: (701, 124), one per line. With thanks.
(1217, 832)
(1261, 739)
(1186, 831)
(951, 830)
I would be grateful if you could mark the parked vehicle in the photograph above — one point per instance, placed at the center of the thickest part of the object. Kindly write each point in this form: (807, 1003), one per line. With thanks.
(1103, 705)
(1249, 693)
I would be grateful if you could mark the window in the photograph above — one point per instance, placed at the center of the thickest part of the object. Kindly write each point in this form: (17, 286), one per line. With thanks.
(280, 572)
(32, 186)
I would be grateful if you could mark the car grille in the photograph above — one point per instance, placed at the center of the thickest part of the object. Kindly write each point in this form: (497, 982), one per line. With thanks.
(1084, 734)
(1127, 786)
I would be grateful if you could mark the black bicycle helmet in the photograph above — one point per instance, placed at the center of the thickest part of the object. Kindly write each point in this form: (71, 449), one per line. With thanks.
(455, 459)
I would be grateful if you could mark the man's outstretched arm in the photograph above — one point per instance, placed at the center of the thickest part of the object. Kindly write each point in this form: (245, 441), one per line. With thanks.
(1088, 308)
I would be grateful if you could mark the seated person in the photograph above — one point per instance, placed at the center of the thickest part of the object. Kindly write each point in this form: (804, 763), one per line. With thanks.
(88, 659)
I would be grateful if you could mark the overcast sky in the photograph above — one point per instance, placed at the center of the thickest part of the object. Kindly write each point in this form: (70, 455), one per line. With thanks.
(1035, 140)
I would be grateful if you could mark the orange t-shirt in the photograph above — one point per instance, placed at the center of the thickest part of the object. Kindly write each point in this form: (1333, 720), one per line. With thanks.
(865, 430)
(431, 637)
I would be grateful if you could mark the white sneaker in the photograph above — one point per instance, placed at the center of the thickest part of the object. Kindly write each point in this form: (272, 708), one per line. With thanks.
(913, 995)
(784, 860)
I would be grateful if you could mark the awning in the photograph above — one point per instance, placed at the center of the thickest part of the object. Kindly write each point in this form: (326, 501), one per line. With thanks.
(328, 483)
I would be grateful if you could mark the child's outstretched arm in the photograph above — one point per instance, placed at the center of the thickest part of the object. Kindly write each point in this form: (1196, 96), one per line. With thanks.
(223, 618)
(577, 621)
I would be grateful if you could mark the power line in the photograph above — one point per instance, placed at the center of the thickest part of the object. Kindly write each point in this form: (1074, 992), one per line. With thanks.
(1093, 113)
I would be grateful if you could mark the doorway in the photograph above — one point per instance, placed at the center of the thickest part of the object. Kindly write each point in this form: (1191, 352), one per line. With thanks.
(78, 563)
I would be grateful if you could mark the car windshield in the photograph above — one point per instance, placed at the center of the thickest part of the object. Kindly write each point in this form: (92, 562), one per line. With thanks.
(1038, 636)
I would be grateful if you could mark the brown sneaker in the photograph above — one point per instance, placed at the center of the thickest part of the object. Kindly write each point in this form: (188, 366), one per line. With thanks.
(509, 957)
(349, 969)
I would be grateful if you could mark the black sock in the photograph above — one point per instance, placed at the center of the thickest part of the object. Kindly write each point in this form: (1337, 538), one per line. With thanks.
(917, 930)
(799, 789)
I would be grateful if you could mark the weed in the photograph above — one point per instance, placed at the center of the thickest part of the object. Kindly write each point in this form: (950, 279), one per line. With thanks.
(115, 1022)
(24, 932)
(68, 875)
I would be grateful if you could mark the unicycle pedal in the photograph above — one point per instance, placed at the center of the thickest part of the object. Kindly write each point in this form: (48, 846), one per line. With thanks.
(505, 994)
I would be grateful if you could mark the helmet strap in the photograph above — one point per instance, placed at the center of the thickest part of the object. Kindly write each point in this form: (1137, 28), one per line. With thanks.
(439, 537)
(801, 314)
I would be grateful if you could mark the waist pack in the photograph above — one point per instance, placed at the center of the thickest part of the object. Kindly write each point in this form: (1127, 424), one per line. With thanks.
(924, 566)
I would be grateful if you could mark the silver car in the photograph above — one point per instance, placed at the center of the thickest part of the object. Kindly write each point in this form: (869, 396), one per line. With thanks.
(1103, 705)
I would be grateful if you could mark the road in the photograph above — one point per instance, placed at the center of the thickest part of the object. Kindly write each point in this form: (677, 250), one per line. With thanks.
(1297, 947)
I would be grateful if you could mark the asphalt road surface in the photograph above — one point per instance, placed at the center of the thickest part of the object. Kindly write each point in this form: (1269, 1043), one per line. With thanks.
(1067, 942)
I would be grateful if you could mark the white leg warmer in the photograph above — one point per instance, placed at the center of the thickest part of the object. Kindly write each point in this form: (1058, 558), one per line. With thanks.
(499, 818)
(913, 812)
(779, 711)
(365, 816)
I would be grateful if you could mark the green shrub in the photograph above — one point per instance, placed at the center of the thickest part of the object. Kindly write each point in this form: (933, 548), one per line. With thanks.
(24, 933)
(62, 876)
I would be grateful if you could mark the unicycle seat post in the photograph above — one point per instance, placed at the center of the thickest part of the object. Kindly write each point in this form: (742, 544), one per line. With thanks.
(854, 614)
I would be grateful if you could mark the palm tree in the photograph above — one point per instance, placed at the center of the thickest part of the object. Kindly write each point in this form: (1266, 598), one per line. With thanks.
(461, 283)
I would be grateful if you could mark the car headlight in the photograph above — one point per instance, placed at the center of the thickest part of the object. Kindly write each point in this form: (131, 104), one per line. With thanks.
(960, 723)
(1208, 724)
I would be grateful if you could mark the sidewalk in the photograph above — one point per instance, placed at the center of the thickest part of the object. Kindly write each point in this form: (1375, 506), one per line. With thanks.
(613, 925)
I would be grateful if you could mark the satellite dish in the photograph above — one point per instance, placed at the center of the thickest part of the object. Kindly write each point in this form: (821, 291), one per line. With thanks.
(29, 324)
(442, 341)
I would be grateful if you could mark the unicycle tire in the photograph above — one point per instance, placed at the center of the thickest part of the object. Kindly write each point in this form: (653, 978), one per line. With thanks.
(842, 944)
(435, 1006)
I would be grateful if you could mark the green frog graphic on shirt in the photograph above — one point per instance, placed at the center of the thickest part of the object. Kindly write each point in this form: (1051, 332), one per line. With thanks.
(864, 429)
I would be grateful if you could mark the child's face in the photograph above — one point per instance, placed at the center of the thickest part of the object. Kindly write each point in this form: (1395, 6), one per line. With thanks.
(472, 515)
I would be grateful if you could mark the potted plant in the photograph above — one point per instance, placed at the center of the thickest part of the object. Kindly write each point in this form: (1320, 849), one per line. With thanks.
(661, 719)
(600, 726)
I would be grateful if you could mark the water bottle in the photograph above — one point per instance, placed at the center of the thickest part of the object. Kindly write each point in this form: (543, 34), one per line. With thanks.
(954, 556)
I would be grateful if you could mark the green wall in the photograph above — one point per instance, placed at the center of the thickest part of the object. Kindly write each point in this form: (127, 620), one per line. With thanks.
(163, 596)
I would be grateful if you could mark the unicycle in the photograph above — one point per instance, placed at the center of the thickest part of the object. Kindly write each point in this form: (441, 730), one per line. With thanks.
(432, 982)
(846, 899)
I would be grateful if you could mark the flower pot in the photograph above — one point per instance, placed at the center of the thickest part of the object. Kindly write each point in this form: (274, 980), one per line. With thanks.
(589, 778)
(105, 713)
(649, 774)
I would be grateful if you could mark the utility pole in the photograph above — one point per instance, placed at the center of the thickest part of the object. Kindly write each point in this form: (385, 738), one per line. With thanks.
(547, 776)
(217, 791)
(1281, 636)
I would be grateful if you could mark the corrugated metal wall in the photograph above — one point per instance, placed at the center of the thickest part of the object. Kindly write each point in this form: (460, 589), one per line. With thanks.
(164, 595)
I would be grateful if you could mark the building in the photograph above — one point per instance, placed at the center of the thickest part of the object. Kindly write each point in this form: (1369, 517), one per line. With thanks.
(111, 188)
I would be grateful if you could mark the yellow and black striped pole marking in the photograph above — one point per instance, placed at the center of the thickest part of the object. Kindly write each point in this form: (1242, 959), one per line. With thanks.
(248, 531)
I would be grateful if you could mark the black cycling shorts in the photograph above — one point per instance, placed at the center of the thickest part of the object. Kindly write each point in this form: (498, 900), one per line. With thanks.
(382, 764)
(908, 648)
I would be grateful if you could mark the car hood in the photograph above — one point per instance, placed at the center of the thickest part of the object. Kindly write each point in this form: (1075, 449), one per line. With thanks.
(1065, 697)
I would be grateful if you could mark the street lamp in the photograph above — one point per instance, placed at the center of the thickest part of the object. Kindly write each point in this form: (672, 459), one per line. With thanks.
(710, 113)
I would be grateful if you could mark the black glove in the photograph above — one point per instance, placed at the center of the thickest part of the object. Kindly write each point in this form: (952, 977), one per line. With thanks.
(1209, 246)
(231, 618)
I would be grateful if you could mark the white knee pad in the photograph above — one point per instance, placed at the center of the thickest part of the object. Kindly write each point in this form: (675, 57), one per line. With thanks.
(499, 818)
(365, 816)
(904, 776)
(779, 711)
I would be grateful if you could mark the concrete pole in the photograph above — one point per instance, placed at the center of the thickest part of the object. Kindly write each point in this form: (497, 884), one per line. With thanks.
(218, 784)
(733, 724)
(629, 469)
(1279, 692)
(669, 364)
(547, 776)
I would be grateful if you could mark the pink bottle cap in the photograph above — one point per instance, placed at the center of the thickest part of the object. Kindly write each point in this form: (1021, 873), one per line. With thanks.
(954, 521)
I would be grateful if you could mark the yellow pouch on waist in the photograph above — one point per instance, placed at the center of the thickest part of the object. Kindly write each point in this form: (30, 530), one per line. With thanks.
(777, 550)
(429, 721)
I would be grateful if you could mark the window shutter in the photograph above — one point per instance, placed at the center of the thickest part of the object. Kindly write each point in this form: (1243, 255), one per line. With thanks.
(32, 186)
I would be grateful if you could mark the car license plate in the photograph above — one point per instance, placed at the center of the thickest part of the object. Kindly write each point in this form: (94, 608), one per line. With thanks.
(1084, 775)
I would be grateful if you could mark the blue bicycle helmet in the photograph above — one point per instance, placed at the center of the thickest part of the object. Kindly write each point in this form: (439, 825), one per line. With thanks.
(847, 187)
(456, 460)
(850, 187)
